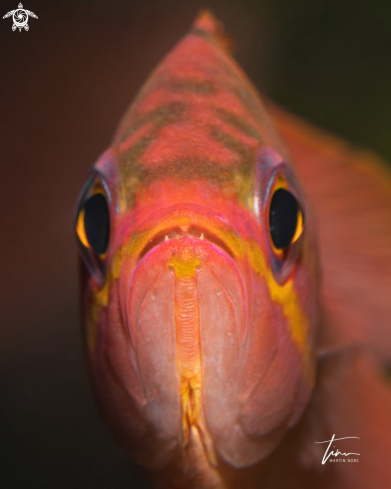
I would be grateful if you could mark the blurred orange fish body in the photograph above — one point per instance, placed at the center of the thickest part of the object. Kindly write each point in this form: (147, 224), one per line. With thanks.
(201, 288)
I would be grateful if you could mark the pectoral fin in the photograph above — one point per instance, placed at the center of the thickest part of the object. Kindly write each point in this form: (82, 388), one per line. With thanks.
(352, 399)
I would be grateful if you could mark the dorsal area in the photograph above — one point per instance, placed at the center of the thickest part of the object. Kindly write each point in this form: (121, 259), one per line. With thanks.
(197, 117)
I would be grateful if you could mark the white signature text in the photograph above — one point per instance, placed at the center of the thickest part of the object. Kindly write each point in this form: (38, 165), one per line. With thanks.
(328, 453)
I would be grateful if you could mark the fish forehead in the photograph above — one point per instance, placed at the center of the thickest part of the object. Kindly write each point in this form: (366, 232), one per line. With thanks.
(197, 118)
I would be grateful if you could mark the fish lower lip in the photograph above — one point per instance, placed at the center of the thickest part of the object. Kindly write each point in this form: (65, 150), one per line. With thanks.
(185, 293)
(180, 232)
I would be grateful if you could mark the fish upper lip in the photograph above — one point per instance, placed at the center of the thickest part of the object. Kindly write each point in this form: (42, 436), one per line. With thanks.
(195, 221)
(179, 232)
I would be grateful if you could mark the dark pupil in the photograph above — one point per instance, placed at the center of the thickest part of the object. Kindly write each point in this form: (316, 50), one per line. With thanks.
(97, 223)
(283, 218)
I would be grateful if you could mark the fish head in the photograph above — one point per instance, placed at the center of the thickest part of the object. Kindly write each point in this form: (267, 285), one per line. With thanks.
(200, 288)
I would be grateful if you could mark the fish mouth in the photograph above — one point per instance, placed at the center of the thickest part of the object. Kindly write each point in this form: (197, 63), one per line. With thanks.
(185, 231)
(188, 221)
(184, 298)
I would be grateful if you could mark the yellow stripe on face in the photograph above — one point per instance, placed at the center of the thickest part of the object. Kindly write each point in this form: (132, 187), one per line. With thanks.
(100, 300)
(286, 296)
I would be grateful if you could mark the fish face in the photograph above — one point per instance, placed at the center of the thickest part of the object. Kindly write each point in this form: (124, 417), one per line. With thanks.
(200, 270)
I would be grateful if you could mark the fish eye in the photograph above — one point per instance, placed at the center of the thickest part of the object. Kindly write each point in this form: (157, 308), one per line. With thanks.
(93, 225)
(285, 219)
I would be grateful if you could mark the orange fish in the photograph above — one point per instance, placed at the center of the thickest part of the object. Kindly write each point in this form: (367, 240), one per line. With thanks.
(205, 320)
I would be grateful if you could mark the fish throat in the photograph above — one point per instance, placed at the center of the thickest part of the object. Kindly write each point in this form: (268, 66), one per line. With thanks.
(187, 335)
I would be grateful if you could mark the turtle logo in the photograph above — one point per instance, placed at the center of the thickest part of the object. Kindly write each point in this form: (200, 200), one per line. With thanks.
(20, 17)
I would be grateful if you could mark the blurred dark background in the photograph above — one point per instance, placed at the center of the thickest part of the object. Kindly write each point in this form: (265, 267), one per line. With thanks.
(64, 86)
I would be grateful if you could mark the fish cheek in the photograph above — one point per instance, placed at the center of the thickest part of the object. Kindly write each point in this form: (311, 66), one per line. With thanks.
(221, 322)
(272, 374)
(150, 310)
(124, 401)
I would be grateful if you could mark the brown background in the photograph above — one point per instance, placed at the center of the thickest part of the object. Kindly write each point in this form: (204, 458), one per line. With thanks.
(64, 86)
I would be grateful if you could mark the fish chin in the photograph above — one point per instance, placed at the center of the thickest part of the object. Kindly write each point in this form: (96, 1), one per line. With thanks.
(185, 310)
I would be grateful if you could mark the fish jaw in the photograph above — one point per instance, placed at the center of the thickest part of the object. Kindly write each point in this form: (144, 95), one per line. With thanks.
(180, 295)
(190, 349)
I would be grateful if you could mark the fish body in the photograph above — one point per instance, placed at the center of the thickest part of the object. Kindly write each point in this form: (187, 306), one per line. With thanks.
(201, 282)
